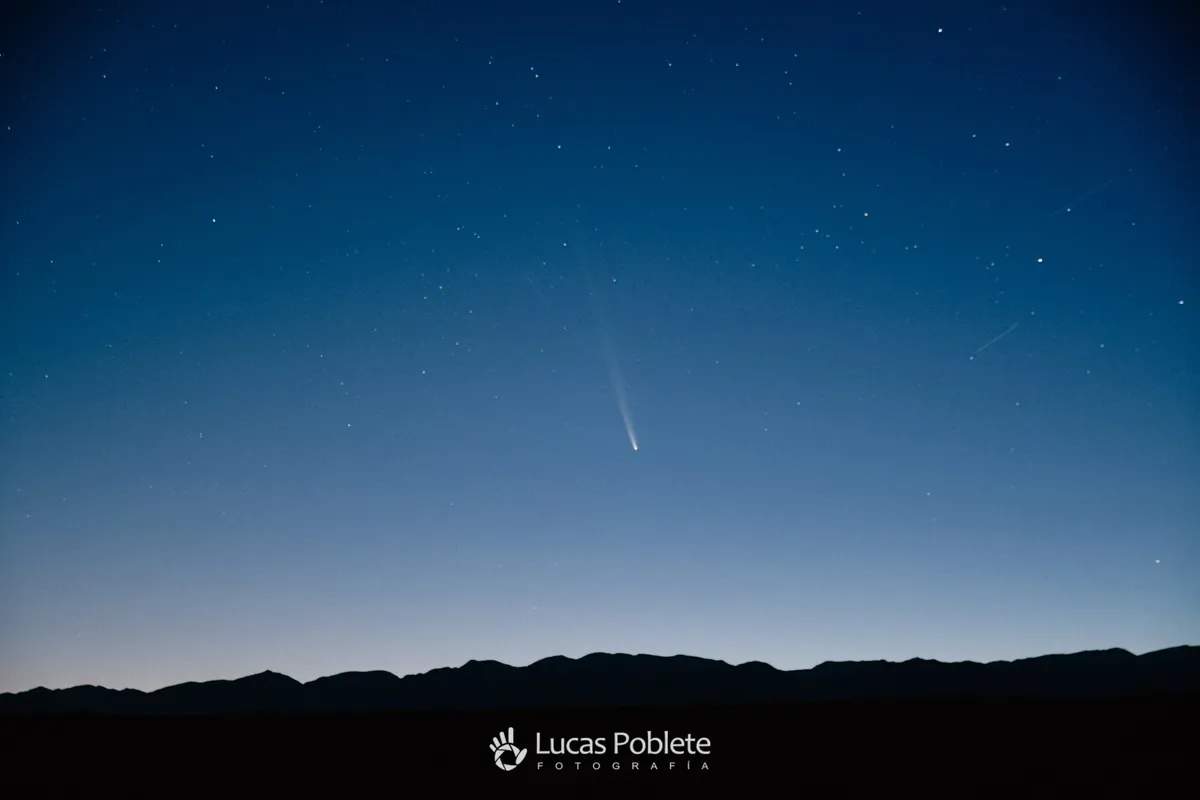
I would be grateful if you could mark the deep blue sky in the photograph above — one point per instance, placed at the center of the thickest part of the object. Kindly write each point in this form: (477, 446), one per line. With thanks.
(311, 313)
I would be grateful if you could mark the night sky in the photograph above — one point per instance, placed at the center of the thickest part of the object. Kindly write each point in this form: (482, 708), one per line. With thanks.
(355, 335)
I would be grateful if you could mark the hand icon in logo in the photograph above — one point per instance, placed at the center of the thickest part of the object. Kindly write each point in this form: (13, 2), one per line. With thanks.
(502, 744)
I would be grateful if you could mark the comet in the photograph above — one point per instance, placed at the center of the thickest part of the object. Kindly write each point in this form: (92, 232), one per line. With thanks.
(610, 357)
(614, 373)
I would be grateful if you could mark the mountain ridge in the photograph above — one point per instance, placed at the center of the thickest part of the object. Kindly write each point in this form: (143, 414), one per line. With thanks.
(607, 680)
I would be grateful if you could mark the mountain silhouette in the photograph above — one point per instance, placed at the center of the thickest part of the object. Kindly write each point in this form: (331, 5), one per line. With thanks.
(609, 681)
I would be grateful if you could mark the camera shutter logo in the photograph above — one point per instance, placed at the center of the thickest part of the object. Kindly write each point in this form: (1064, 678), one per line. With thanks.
(505, 753)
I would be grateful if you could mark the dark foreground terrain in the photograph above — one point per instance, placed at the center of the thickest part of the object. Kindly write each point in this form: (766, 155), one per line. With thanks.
(604, 680)
(1102, 718)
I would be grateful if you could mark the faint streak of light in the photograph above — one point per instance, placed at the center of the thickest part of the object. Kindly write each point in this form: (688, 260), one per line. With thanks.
(1067, 209)
(1006, 332)
(533, 285)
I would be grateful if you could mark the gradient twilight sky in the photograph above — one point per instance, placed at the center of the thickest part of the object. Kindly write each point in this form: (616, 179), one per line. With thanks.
(311, 312)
